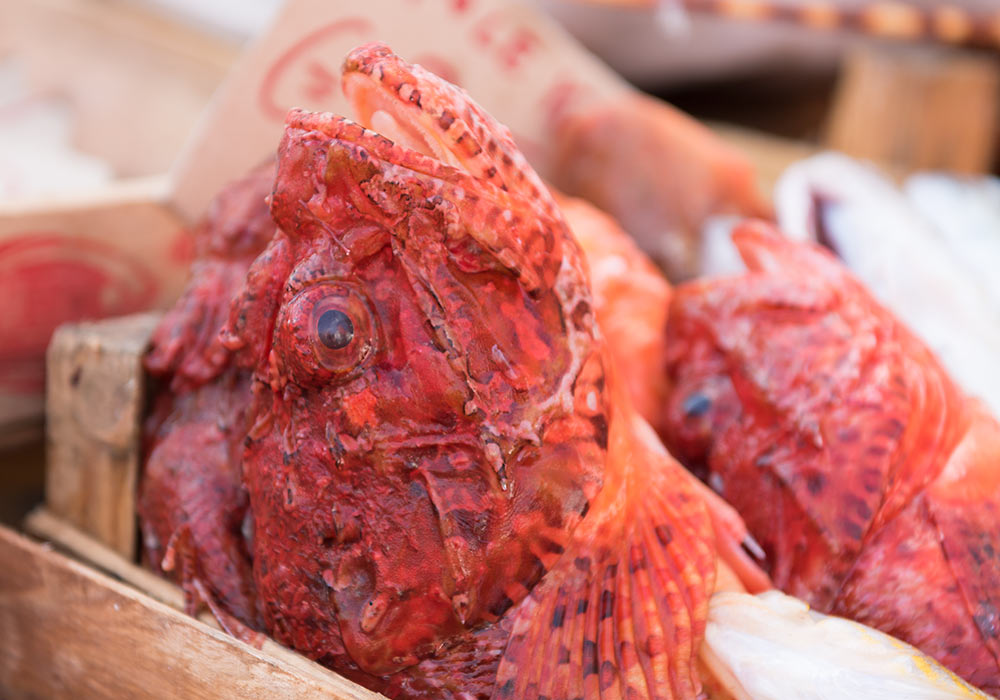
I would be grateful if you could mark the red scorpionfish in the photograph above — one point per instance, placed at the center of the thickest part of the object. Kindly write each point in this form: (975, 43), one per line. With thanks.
(405, 455)
(870, 480)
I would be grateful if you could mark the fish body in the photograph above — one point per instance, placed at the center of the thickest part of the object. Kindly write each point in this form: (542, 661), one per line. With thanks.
(192, 504)
(866, 474)
(631, 300)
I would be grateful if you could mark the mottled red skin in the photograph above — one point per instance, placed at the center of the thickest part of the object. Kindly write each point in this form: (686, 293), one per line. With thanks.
(425, 499)
(192, 503)
(866, 475)
(430, 533)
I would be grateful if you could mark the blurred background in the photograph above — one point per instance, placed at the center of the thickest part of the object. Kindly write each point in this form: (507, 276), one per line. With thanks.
(115, 87)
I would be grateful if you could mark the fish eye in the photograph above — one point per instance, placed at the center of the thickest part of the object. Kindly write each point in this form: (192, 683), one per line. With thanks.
(335, 329)
(325, 332)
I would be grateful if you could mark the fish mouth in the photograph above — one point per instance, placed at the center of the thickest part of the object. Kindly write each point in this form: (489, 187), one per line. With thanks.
(427, 115)
(394, 118)
(379, 110)
(383, 629)
(379, 147)
(412, 123)
(408, 105)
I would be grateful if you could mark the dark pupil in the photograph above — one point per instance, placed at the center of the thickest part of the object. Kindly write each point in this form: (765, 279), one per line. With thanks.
(335, 329)
(696, 405)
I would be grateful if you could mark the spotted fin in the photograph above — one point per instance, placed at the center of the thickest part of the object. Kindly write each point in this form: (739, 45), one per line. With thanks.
(964, 504)
(623, 612)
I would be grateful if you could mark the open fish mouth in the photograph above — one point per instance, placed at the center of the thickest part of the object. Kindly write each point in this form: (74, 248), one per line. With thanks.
(423, 113)
(382, 112)
(402, 110)
(426, 115)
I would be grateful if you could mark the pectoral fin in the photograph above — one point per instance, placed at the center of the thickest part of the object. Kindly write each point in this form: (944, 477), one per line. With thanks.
(623, 613)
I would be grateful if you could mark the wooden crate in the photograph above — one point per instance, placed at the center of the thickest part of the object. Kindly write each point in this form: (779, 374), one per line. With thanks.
(78, 616)
(89, 623)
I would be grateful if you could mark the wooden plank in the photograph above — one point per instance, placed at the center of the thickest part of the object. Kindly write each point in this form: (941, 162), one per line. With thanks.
(47, 526)
(94, 404)
(43, 524)
(918, 108)
(70, 632)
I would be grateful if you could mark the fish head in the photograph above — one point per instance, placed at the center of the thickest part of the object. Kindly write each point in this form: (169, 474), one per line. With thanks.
(428, 423)
(732, 325)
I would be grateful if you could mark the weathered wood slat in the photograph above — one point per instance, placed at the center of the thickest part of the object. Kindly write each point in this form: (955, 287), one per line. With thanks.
(94, 405)
(71, 632)
(47, 526)
(918, 108)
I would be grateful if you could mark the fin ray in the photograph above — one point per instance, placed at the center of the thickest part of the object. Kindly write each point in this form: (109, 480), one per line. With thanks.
(622, 612)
